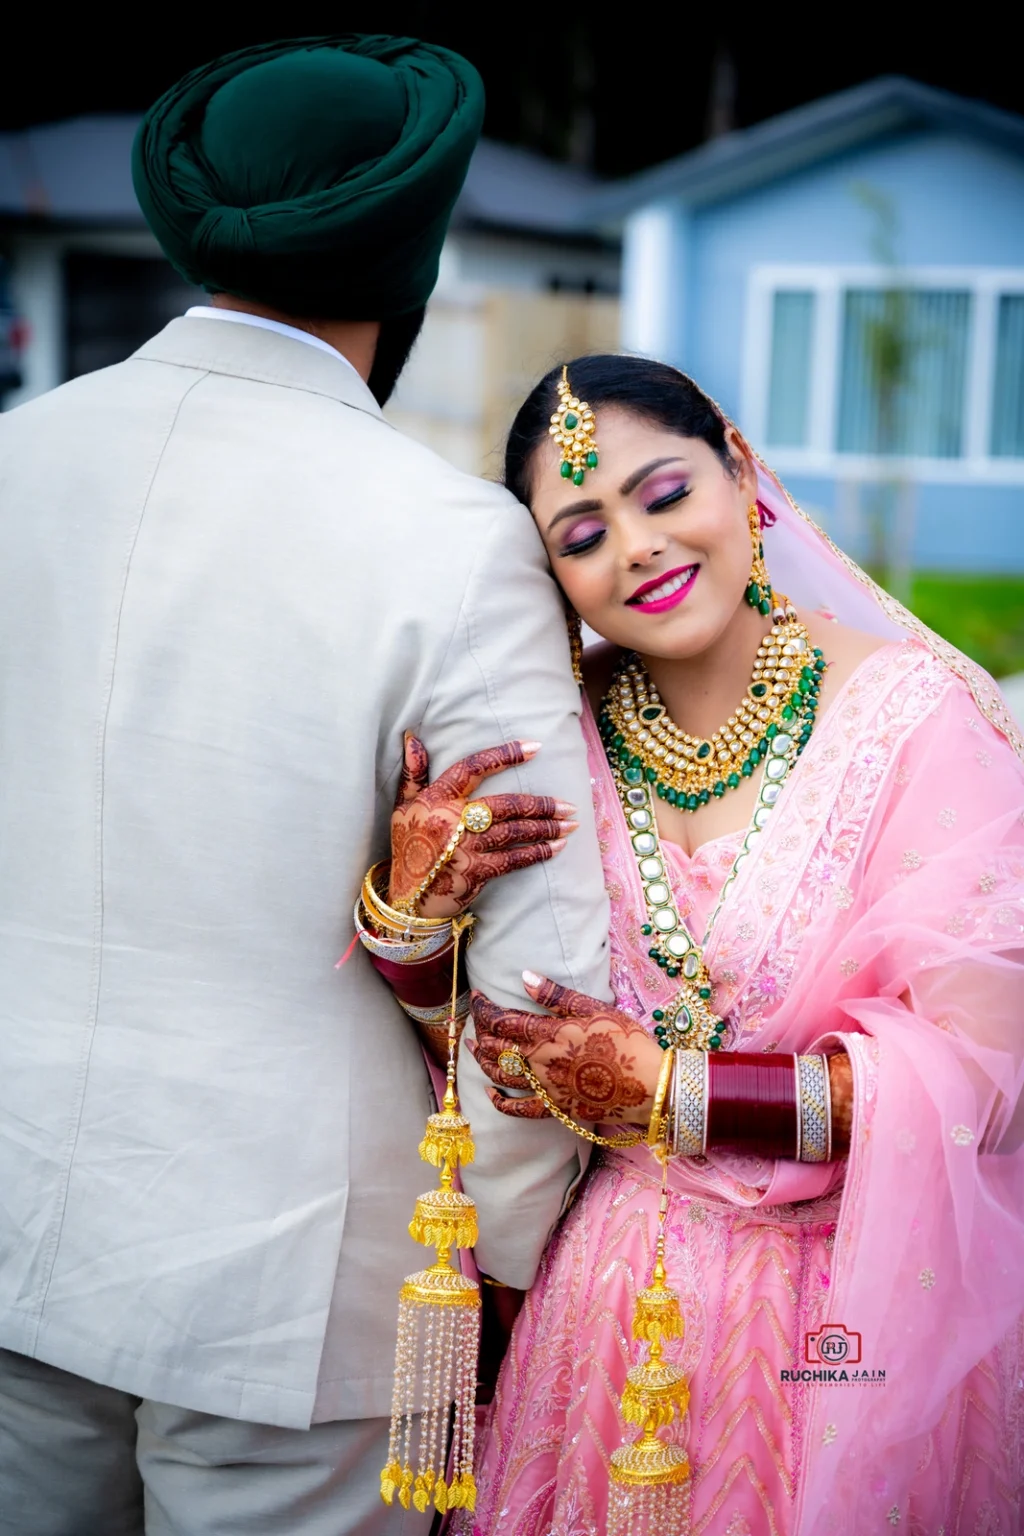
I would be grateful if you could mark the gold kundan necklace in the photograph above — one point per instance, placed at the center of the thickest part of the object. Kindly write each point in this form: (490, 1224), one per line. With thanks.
(646, 745)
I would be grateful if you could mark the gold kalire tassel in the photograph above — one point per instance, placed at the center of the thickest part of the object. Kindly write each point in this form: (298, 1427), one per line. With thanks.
(438, 1321)
(650, 1476)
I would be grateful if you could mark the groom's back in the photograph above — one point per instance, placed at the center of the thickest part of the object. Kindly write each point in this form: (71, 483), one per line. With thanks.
(225, 586)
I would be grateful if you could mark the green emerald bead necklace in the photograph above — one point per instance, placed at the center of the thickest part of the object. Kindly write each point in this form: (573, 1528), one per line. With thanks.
(686, 771)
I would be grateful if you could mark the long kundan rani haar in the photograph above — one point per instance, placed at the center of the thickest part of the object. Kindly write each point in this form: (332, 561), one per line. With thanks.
(438, 1319)
(689, 1022)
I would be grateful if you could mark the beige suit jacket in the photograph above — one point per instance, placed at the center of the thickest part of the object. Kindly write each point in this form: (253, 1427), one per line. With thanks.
(226, 587)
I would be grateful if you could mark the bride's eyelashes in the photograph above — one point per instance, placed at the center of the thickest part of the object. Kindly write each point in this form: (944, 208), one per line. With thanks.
(669, 499)
(583, 537)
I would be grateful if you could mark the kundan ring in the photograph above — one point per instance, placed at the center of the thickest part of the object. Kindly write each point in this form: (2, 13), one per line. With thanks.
(512, 1064)
(477, 817)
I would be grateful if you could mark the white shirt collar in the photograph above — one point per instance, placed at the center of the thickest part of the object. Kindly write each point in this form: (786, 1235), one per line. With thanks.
(241, 317)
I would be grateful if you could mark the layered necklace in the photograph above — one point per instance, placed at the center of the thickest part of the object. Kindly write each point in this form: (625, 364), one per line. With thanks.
(640, 735)
(649, 754)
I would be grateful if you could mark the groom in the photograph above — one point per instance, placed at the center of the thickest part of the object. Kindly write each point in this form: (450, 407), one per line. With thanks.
(226, 587)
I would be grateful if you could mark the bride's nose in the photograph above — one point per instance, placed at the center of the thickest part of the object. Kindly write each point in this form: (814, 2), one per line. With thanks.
(642, 542)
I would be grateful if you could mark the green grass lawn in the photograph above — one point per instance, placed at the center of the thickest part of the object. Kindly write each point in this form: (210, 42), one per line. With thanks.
(982, 615)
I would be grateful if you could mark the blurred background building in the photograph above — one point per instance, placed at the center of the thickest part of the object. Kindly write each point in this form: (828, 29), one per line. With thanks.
(844, 274)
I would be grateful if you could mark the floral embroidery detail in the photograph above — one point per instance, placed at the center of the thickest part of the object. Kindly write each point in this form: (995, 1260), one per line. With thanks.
(984, 758)
(927, 1278)
(697, 1212)
(987, 883)
(830, 1434)
(971, 723)
(843, 897)
(947, 816)
(769, 988)
(730, 977)
(850, 967)
(788, 844)
(906, 1141)
(956, 923)
(962, 1135)
(738, 1526)
(893, 1516)
(1006, 915)
(830, 1241)
(746, 931)
(911, 859)
(772, 1045)
(902, 774)
(614, 890)
(831, 753)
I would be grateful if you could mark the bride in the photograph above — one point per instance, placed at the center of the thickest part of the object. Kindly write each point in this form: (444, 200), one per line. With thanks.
(811, 815)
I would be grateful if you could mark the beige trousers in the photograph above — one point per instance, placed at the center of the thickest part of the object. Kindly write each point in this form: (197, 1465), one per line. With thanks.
(77, 1459)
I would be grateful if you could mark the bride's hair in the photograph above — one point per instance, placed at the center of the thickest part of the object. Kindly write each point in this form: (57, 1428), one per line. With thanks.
(655, 391)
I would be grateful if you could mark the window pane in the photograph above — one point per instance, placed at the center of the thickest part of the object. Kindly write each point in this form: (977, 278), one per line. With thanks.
(789, 384)
(902, 372)
(1008, 396)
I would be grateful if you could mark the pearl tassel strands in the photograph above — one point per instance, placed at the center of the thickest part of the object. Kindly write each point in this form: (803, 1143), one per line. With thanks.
(438, 1321)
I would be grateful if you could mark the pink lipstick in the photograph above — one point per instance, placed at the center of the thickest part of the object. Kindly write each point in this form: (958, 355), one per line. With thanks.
(666, 591)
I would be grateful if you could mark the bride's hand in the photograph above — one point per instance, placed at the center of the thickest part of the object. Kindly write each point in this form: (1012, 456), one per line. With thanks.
(525, 828)
(596, 1062)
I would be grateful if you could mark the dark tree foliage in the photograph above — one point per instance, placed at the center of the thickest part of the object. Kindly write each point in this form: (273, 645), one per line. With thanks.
(611, 86)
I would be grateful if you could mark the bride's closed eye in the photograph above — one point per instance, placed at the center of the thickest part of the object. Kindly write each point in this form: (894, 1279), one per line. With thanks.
(671, 498)
(584, 536)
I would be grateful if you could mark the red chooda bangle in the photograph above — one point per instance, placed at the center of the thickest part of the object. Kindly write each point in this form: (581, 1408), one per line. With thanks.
(752, 1103)
(424, 984)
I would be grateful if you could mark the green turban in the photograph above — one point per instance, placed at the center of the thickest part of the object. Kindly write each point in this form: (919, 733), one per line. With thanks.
(316, 176)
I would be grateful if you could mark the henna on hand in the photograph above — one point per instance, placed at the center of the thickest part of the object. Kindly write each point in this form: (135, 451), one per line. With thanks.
(526, 829)
(595, 1061)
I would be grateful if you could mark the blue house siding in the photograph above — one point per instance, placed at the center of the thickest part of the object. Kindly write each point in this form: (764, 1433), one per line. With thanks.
(719, 232)
(967, 528)
(957, 203)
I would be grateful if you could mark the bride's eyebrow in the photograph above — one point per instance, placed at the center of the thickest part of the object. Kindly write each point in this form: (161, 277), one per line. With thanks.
(575, 510)
(632, 481)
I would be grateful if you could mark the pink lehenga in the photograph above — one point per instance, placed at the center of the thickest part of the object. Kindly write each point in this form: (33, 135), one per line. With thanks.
(881, 907)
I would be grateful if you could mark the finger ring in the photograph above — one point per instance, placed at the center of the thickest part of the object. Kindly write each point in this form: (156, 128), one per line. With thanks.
(512, 1064)
(476, 816)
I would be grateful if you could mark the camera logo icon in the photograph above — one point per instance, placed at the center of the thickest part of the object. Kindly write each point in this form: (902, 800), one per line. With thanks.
(832, 1345)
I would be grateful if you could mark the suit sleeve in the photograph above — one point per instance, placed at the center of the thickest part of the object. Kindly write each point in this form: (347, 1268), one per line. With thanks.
(508, 676)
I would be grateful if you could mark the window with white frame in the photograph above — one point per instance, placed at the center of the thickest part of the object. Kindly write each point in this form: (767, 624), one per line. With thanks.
(851, 367)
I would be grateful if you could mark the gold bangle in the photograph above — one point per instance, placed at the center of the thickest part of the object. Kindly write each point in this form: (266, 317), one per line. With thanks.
(657, 1126)
(390, 917)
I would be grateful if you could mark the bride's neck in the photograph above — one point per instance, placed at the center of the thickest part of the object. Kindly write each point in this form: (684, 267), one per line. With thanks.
(701, 692)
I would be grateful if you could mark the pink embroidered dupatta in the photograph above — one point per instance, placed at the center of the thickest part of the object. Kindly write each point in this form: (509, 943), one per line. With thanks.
(883, 908)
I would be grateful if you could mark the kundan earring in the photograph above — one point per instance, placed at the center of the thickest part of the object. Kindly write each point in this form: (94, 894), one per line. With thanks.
(574, 624)
(759, 588)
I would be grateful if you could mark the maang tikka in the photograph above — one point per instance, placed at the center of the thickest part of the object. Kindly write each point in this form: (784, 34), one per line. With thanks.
(573, 427)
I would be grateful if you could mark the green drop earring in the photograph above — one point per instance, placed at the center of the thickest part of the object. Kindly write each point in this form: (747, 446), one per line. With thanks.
(759, 588)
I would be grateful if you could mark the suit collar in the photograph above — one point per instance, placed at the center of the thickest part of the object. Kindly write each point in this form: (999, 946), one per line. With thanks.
(251, 352)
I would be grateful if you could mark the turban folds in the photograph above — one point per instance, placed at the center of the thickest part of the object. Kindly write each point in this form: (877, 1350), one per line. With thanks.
(316, 176)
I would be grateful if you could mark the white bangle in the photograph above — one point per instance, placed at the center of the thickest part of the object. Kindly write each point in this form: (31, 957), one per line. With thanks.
(814, 1110)
(400, 951)
(690, 1086)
